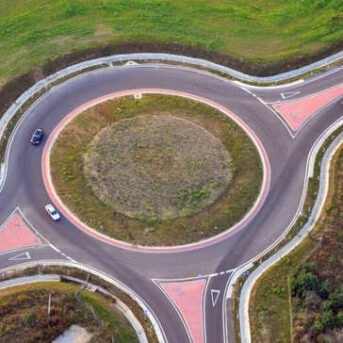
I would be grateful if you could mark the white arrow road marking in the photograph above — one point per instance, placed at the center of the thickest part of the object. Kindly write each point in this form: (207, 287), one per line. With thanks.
(214, 296)
(22, 256)
(287, 95)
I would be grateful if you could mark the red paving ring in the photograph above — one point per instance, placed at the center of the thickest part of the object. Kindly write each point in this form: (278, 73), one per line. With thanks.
(85, 228)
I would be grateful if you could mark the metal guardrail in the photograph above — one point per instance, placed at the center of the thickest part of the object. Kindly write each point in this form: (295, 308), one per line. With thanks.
(110, 60)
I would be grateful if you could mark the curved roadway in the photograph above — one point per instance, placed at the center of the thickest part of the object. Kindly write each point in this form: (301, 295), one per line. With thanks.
(24, 186)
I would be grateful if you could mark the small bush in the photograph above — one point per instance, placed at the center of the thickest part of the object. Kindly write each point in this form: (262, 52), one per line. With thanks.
(335, 300)
(328, 319)
(339, 319)
(305, 281)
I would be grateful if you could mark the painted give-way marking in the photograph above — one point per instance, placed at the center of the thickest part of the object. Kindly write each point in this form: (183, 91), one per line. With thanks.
(214, 296)
(23, 256)
(287, 95)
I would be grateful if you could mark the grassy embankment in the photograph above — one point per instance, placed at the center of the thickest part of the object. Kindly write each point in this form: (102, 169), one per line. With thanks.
(31, 32)
(301, 298)
(233, 203)
(24, 316)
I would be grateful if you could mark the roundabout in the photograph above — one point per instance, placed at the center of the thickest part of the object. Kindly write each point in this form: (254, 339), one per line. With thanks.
(205, 267)
(246, 179)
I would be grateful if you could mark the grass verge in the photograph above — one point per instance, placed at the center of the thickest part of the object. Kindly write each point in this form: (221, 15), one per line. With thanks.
(311, 195)
(231, 206)
(270, 312)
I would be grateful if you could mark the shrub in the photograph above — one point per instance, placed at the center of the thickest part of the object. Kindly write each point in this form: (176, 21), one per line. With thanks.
(328, 319)
(317, 327)
(29, 319)
(335, 300)
(324, 290)
(305, 281)
(339, 319)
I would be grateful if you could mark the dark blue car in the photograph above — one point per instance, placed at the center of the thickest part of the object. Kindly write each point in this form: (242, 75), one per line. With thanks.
(37, 136)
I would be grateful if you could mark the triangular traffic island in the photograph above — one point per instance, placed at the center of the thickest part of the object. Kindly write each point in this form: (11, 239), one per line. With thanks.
(15, 234)
(187, 296)
(297, 112)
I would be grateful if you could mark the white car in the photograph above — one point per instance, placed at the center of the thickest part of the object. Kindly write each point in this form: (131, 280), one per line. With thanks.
(52, 212)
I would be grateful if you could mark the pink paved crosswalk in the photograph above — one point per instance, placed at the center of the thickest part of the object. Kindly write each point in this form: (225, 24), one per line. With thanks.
(295, 113)
(188, 298)
(15, 234)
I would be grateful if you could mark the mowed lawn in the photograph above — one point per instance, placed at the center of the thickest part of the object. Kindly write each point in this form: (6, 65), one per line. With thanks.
(32, 31)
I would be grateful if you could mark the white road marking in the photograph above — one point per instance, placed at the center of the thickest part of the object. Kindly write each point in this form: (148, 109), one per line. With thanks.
(130, 63)
(214, 296)
(54, 248)
(23, 256)
(287, 95)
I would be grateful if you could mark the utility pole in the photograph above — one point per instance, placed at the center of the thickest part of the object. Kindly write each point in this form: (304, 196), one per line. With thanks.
(49, 305)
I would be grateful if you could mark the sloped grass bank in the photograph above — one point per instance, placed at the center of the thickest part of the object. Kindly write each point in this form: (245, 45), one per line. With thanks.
(261, 32)
(24, 314)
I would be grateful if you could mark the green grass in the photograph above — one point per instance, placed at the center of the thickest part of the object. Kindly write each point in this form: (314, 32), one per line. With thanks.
(33, 31)
(24, 314)
(232, 204)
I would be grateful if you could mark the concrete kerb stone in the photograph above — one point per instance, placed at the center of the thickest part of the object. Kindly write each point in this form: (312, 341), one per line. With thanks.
(319, 144)
(29, 279)
(262, 268)
(53, 277)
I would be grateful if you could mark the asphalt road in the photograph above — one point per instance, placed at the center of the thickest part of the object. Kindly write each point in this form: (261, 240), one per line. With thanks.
(287, 155)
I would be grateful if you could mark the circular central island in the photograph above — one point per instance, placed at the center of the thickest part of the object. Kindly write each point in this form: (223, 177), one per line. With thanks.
(157, 171)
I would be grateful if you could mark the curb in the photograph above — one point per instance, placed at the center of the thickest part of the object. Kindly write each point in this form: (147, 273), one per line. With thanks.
(147, 311)
(315, 214)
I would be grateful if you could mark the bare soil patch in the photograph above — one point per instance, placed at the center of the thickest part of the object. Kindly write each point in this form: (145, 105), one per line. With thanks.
(156, 168)
(210, 210)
